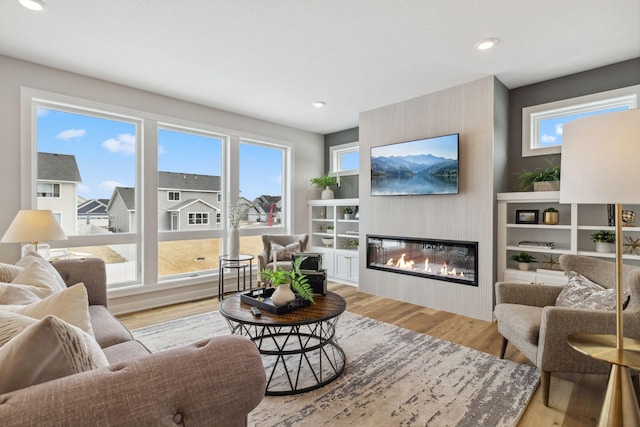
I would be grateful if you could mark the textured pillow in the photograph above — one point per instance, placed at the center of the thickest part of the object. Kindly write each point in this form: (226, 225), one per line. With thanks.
(581, 292)
(8, 272)
(45, 351)
(17, 294)
(34, 257)
(40, 279)
(11, 324)
(283, 253)
(70, 305)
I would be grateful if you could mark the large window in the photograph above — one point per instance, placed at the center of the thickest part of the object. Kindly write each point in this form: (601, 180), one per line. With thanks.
(542, 124)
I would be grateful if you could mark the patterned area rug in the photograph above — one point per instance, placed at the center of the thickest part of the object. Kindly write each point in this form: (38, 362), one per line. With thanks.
(393, 377)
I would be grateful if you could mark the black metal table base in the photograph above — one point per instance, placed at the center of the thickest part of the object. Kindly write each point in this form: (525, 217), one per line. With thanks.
(297, 358)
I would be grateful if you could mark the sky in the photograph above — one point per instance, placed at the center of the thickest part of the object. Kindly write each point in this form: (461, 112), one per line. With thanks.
(441, 146)
(105, 152)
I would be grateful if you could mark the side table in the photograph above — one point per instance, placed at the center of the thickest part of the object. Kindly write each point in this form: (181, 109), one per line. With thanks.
(240, 264)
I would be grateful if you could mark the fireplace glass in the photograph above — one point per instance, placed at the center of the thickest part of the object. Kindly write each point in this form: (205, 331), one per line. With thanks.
(448, 260)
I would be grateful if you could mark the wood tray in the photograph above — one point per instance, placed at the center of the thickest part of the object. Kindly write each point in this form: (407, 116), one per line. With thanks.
(251, 298)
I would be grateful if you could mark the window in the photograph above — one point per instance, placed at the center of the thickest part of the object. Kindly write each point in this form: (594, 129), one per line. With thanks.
(174, 196)
(345, 159)
(542, 124)
(48, 190)
(198, 218)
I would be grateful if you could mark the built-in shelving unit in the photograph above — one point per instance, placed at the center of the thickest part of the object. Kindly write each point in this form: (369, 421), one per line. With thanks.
(336, 237)
(572, 234)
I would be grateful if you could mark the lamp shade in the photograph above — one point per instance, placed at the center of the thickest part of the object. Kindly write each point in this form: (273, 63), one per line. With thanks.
(31, 226)
(601, 159)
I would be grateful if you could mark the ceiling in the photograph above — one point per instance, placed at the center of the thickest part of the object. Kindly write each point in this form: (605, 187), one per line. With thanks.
(270, 59)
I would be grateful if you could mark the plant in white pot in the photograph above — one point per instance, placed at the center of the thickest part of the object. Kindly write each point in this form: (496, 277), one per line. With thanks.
(324, 182)
(285, 280)
(524, 260)
(348, 212)
(541, 179)
(604, 240)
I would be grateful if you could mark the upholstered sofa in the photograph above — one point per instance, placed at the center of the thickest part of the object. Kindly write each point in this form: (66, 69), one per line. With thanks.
(216, 381)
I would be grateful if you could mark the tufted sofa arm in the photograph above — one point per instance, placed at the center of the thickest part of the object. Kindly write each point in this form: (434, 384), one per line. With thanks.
(211, 382)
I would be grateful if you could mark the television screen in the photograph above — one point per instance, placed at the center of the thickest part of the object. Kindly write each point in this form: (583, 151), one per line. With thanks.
(424, 166)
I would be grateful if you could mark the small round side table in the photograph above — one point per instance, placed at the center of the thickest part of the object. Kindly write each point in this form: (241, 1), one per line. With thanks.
(240, 264)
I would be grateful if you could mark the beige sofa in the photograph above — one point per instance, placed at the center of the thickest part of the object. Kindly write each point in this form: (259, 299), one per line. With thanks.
(217, 381)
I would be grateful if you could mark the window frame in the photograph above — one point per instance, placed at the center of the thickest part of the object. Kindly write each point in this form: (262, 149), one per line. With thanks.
(175, 193)
(533, 115)
(335, 158)
(193, 218)
(53, 193)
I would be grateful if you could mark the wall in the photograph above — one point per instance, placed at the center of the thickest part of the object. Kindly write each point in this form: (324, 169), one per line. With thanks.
(614, 76)
(477, 111)
(348, 184)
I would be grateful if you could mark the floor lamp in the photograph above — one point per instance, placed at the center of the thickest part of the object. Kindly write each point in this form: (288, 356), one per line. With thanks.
(601, 165)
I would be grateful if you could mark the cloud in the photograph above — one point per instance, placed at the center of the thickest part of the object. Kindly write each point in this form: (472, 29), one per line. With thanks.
(559, 128)
(71, 133)
(83, 188)
(110, 185)
(124, 143)
(42, 112)
(548, 138)
(162, 150)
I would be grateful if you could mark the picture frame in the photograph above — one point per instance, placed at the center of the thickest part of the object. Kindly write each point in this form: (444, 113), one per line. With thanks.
(527, 216)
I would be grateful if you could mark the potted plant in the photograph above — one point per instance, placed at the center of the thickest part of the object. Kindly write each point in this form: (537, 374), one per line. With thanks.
(604, 241)
(285, 280)
(324, 182)
(550, 216)
(541, 179)
(524, 259)
(348, 212)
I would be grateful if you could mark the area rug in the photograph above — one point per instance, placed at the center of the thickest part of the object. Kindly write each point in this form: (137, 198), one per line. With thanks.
(393, 377)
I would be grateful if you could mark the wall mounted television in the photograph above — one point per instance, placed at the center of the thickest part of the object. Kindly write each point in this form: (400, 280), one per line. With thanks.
(423, 166)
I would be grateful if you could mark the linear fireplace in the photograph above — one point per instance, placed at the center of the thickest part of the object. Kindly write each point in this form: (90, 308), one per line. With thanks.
(449, 260)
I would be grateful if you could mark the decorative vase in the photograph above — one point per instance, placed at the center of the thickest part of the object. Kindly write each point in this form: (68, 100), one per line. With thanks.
(234, 242)
(283, 295)
(546, 186)
(327, 193)
(524, 266)
(604, 248)
(550, 218)
(348, 216)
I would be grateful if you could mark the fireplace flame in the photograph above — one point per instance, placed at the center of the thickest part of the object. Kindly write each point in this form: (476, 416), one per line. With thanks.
(404, 264)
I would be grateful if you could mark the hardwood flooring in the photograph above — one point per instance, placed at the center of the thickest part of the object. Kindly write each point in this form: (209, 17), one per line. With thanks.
(573, 401)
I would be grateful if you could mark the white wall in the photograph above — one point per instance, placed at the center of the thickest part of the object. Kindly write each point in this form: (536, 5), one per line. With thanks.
(468, 110)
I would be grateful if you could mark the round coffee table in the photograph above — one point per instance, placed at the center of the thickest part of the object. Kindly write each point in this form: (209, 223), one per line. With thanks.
(299, 349)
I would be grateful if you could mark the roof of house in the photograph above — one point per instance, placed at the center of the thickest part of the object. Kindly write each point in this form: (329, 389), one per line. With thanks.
(93, 206)
(128, 196)
(58, 167)
(190, 202)
(186, 181)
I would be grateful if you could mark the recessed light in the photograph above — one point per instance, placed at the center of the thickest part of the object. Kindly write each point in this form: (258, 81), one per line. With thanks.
(318, 104)
(485, 44)
(37, 5)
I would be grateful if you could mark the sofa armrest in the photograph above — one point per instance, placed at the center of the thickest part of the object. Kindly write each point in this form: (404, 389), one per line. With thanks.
(91, 271)
(525, 294)
(211, 382)
(263, 260)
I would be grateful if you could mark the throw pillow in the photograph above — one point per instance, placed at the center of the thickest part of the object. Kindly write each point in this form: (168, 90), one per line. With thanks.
(34, 257)
(41, 280)
(580, 292)
(8, 272)
(11, 324)
(70, 305)
(283, 253)
(45, 351)
(17, 294)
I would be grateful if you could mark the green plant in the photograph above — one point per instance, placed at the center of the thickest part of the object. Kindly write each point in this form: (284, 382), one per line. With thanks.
(523, 257)
(299, 282)
(551, 210)
(347, 210)
(603, 236)
(324, 181)
(551, 173)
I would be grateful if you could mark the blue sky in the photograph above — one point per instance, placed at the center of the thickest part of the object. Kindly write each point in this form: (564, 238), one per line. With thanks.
(105, 153)
(442, 146)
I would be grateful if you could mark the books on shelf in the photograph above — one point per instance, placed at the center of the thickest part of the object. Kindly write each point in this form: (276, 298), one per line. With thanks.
(536, 245)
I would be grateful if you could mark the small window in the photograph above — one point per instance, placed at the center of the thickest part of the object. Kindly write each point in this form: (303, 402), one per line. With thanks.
(174, 196)
(345, 159)
(198, 218)
(48, 190)
(542, 124)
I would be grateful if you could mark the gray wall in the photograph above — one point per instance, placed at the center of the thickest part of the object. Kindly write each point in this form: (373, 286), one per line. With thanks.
(601, 79)
(349, 184)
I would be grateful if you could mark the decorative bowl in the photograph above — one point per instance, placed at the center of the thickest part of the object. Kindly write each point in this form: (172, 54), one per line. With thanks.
(328, 241)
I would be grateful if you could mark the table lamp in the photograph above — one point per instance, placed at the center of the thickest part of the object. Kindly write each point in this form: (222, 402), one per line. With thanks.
(34, 227)
(600, 159)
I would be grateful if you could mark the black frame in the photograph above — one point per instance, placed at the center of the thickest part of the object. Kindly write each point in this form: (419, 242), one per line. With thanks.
(522, 214)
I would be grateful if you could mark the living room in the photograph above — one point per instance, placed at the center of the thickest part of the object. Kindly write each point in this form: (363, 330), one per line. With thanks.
(480, 107)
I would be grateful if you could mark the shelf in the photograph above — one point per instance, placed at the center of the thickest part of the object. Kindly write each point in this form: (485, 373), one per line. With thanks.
(541, 226)
(557, 251)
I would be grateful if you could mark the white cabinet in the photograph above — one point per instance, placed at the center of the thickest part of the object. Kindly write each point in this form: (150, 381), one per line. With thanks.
(336, 235)
(572, 234)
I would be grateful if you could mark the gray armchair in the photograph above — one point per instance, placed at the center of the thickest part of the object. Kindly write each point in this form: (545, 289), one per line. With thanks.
(528, 318)
(281, 239)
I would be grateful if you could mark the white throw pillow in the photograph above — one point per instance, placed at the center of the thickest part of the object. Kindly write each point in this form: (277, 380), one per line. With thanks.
(283, 253)
(8, 272)
(47, 350)
(42, 281)
(580, 292)
(70, 305)
(34, 257)
(11, 324)
(17, 294)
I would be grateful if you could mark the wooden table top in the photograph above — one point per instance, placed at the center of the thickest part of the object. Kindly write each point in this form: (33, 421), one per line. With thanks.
(325, 307)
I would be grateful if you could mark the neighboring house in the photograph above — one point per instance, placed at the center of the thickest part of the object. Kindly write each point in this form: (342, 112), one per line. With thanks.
(122, 210)
(94, 212)
(58, 178)
(266, 209)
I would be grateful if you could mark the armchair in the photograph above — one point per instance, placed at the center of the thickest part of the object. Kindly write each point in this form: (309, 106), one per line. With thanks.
(283, 240)
(528, 318)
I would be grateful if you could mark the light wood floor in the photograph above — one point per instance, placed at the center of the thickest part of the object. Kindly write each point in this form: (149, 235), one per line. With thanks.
(573, 402)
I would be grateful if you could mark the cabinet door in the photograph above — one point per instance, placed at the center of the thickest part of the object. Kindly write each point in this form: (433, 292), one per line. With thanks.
(346, 267)
(328, 263)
